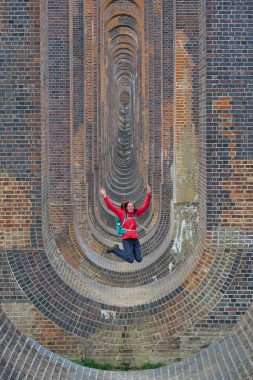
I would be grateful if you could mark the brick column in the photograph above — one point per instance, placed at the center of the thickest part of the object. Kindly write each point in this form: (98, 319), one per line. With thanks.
(59, 112)
(228, 105)
(185, 101)
(20, 175)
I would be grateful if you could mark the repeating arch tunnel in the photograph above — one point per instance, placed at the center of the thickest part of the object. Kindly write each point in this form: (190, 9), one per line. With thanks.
(125, 98)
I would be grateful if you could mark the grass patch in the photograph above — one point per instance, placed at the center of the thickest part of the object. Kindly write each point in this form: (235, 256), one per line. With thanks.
(149, 365)
(91, 364)
(109, 367)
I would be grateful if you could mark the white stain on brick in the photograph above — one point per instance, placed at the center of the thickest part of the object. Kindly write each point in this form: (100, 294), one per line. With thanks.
(108, 314)
(184, 227)
(177, 245)
(171, 266)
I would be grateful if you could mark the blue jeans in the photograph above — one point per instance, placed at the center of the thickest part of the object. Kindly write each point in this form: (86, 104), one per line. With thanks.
(132, 250)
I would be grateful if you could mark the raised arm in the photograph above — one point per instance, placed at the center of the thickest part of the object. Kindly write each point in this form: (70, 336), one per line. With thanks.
(146, 203)
(109, 203)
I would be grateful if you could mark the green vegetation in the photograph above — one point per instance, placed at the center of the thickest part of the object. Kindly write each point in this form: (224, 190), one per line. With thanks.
(149, 365)
(91, 364)
(109, 367)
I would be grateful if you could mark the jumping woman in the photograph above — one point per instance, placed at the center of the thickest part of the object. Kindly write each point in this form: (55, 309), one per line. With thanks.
(128, 214)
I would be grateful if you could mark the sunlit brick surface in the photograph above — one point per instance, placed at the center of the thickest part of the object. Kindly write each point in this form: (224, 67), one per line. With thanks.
(120, 94)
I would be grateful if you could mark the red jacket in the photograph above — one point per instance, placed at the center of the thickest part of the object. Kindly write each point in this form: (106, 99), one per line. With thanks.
(129, 223)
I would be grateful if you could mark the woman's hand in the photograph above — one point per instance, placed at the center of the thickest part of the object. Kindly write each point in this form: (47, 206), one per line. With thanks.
(148, 189)
(102, 191)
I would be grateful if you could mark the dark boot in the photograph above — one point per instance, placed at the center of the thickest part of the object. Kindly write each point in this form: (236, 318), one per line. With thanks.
(110, 249)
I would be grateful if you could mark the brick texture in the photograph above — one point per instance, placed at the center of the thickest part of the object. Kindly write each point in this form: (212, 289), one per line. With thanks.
(120, 94)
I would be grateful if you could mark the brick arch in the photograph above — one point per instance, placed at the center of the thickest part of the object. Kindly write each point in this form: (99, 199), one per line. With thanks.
(128, 30)
(123, 47)
(124, 39)
(121, 37)
(123, 54)
(125, 30)
(127, 46)
(129, 9)
(119, 310)
(138, 3)
(116, 21)
(123, 64)
(124, 70)
(124, 67)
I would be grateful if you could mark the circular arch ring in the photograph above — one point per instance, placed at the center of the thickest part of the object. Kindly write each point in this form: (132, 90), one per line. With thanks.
(107, 3)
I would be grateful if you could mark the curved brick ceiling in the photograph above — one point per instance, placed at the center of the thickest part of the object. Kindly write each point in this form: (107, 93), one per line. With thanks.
(120, 94)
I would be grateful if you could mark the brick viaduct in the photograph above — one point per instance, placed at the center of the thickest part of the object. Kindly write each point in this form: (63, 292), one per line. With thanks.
(120, 93)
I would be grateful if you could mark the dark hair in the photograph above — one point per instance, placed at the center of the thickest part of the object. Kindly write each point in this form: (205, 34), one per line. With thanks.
(124, 206)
